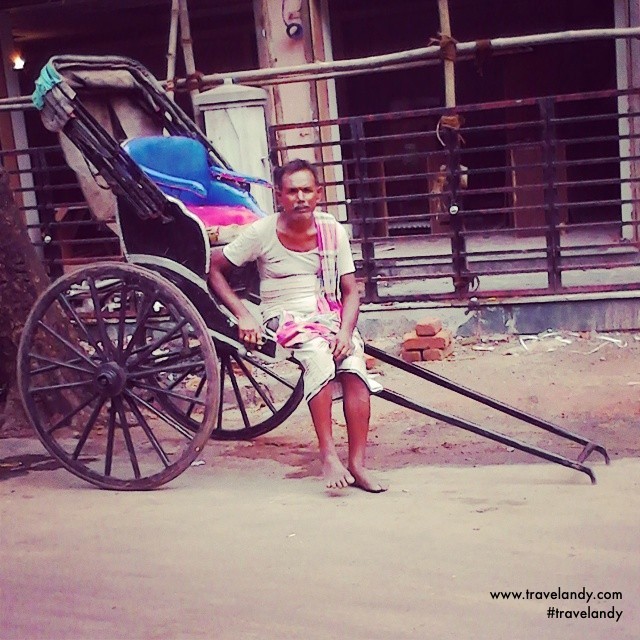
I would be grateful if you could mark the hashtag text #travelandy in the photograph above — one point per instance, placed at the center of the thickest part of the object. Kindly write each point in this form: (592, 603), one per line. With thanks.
(611, 614)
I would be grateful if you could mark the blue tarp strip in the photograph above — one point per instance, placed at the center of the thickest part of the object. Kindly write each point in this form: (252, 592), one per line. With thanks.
(48, 79)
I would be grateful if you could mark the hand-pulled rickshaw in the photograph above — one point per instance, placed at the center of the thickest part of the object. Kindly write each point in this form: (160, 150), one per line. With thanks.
(127, 369)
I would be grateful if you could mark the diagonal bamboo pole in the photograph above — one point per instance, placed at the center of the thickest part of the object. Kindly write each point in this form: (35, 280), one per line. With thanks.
(171, 54)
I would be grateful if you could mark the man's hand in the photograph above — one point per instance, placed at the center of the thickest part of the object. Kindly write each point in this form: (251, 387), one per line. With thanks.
(249, 331)
(342, 345)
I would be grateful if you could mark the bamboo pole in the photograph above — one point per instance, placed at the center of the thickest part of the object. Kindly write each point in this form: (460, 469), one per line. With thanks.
(173, 42)
(449, 65)
(378, 63)
(187, 52)
(414, 57)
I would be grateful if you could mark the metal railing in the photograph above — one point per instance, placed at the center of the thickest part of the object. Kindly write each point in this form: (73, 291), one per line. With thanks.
(516, 198)
(59, 221)
(513, 198)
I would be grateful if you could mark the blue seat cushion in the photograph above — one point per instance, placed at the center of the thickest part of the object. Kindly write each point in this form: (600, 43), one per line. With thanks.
(178, 165)
(181, 167)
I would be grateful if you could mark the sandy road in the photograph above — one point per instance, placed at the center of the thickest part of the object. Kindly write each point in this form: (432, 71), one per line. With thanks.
(231, 551)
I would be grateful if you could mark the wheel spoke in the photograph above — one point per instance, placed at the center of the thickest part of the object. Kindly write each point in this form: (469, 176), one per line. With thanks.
(73, 315)
(182, 376)
(196, 395)
(102, 329)
(66, 343)
(127, 436)
(122, 323)
(172, 394)
(87, 428)
(236, 390)
(184, 366)
(149, 433)
(157, 343)
(273, 374)
(170, 421)
(255, 384)
(55, 364)
(63, 421)
(193, 399)
(62, 385)
(223, 361)
(141, 318)
(111, 432)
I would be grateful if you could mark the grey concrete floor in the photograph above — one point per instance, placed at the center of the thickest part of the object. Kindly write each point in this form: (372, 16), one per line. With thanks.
(241, 551)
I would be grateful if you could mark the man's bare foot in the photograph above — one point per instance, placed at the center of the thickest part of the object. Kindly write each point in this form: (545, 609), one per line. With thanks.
(335, 474)
(365, 481)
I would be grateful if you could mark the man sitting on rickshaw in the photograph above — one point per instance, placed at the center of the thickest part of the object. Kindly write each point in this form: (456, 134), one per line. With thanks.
(310, 300)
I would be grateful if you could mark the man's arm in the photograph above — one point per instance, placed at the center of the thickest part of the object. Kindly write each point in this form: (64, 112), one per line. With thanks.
(342, 344)
(248, 328)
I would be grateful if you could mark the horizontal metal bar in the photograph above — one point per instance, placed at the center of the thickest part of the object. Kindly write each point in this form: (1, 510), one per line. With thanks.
(461, 108)
(499, 296)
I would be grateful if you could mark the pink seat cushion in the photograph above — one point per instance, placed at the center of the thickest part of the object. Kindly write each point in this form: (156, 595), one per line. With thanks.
(222, 215)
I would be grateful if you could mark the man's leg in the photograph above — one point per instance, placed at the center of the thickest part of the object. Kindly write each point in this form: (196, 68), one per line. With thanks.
(335, 474)
(357, 412)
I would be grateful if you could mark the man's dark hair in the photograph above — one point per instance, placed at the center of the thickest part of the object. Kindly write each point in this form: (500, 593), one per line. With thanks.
(291, 167)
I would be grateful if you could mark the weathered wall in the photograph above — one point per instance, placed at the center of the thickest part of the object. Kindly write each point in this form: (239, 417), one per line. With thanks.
(620, 312)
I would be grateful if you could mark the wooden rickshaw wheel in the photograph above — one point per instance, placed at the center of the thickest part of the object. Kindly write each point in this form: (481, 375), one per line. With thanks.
(92, 349)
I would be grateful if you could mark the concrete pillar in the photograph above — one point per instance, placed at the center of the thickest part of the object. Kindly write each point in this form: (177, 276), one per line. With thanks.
(302, 102)
(235, 122)
(627, 14)
(289, 102)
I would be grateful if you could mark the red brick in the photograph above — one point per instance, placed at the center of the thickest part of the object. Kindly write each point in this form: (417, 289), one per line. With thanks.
(412, 340)
(411, 356)
(437, 354)
(428, 326)
(440, 341)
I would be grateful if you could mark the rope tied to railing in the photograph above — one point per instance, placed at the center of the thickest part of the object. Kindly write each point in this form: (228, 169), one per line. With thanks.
(192, 82)
(484, 50)
(453, 122)
(447, 46)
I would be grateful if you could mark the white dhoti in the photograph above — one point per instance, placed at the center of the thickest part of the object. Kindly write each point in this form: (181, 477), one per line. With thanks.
(320, 368)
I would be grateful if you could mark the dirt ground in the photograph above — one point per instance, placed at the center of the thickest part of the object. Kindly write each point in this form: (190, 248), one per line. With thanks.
(248, 544)
(586, 383)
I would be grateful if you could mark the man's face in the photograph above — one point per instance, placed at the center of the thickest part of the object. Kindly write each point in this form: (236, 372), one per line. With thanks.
(298, 194)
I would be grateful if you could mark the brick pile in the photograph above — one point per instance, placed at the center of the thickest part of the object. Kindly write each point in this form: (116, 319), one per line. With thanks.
(428, 341)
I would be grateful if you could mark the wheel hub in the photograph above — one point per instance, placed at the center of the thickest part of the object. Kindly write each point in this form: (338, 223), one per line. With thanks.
(110, 379)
